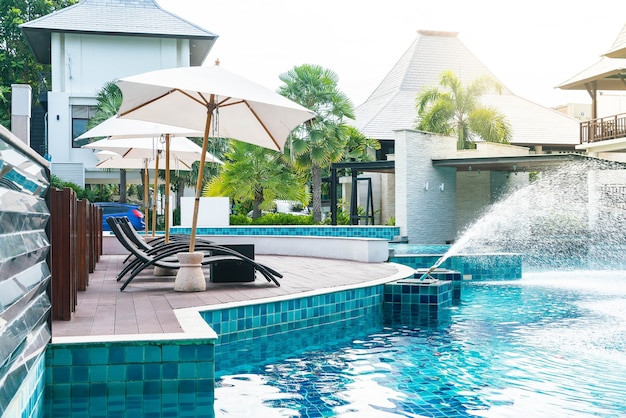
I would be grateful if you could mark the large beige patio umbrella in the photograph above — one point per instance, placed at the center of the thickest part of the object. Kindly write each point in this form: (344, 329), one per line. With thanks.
(216, 101)
(183, 152)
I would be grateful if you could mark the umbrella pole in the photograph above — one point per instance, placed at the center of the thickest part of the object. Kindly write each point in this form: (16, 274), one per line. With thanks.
(146, 192)
(167, 188)
(205, 145)
(156, 194)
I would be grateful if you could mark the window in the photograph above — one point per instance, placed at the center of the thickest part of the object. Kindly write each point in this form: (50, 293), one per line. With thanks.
(386, 147)
(80, 116)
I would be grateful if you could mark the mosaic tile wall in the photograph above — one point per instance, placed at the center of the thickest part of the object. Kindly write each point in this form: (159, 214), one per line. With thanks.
(472, 267)
(160, 378)
(414, 295)
(258, 323)
(384, 232)
(24, 277)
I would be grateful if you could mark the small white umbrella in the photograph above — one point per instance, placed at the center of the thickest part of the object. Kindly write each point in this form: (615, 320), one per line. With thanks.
(134, 147)
(110, 160)
(202, 98)
(181, 149)
(118, 128)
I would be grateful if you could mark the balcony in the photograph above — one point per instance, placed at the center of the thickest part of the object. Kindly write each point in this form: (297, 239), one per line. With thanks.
(602, 129)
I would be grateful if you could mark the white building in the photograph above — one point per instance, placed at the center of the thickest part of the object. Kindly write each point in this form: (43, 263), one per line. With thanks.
(95, 42)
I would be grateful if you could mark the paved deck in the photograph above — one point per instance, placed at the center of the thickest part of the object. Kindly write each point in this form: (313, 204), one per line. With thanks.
(147, 305)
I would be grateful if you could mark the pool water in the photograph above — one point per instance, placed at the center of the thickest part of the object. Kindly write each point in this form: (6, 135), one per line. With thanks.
(549, 345)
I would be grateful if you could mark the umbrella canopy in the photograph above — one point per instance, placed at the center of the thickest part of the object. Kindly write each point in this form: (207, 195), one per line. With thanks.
(211, 98)
(135, 152)
(247, 111)
(118, 128)
(139, 148)
(110, 159)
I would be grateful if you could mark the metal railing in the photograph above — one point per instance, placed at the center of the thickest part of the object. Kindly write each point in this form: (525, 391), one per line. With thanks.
(601, 129)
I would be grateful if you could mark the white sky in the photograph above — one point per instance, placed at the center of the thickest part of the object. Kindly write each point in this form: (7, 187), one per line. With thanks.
(531, 46)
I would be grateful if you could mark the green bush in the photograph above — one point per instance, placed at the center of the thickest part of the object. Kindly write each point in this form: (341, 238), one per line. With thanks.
(283, 219)
(240, 219)
(102, 195)
(272, 219)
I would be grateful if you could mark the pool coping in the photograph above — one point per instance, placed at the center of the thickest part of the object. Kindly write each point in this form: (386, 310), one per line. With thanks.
(195, 328)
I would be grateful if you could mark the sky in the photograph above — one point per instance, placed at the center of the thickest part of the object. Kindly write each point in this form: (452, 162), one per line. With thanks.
(530, 46)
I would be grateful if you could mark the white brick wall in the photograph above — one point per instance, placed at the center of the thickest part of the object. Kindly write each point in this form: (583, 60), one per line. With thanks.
(425, 216)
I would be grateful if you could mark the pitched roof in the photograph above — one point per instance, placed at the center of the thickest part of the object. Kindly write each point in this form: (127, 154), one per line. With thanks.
(391, 106)
(618, 50)
(117, 17)
(607, 73)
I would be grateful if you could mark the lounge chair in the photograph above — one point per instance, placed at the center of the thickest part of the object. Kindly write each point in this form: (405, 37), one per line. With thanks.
(165, 256)
(149, 244)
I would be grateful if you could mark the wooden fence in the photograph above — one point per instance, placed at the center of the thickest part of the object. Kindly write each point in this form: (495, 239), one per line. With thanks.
(75, 231)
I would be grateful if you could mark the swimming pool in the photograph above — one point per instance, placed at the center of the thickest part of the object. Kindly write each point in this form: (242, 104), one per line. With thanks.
(551, 344)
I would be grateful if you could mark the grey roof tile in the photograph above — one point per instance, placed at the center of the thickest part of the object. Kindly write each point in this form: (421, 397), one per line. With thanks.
(391, 106)
(115, 17)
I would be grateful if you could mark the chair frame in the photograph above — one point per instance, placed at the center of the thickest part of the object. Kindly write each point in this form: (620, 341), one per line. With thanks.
(164, 255)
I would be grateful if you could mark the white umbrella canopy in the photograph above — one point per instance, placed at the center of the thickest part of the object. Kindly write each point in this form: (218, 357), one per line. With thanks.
(110, 159)
(180, 149)
(136, 152)
(118, 128)
(181, 96)
(211, 98)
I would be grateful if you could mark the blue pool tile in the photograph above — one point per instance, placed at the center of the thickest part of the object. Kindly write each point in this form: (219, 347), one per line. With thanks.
(116, 373)
(61, 374)
(152, 371)
(170, 371)
(152, 354)
(80, 356)
(80, 391)
(80, 374)
(117, 355)
(134, 354)
(134, 372)
(98, 355)
(170, 353)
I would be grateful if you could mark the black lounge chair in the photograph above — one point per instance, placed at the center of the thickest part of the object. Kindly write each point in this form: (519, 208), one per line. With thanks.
(149, 244)
(165, 256)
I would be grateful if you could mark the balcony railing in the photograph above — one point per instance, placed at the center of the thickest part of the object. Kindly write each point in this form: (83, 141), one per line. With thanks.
(601, 129)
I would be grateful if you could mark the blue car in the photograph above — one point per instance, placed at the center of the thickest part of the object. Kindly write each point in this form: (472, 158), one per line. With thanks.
(118, 210)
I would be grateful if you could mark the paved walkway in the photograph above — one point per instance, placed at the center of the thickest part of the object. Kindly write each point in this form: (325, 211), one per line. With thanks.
(147, 305)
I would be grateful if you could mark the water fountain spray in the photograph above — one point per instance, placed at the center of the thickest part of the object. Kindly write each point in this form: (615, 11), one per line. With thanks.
(555, 221)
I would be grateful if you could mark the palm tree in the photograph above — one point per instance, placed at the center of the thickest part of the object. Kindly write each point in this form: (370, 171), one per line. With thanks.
(182, 179)
(109, 100)
(254, 173)
(359, 147)
(453, 109)
(322, 140)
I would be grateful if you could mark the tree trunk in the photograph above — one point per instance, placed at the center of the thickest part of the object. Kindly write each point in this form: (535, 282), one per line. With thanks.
(316, 179)
(256, 205)
(180, 189)
(122, 186)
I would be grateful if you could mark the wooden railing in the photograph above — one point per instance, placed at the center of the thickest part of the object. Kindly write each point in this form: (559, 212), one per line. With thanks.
(75, 232)
(601, 129)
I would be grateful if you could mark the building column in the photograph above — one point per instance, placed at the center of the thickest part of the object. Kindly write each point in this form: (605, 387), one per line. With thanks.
(425, 195)
(21, 95)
